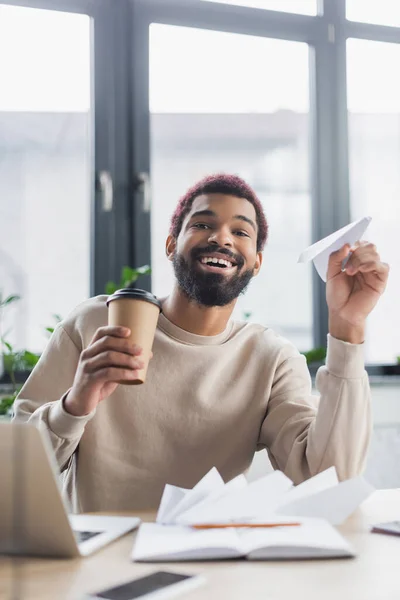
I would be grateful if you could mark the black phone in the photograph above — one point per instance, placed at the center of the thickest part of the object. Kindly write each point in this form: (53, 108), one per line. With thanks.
(158, 585)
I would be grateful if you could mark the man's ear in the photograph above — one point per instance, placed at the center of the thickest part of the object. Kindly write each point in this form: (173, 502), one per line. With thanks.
(258, 263)
(170, 247)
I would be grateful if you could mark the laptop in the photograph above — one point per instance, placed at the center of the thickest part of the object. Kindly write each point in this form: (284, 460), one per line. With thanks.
(34, 520)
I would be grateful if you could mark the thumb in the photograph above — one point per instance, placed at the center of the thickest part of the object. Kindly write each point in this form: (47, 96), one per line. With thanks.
(337, 261)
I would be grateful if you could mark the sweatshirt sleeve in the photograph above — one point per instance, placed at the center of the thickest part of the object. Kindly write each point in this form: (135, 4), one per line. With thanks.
(305, 435)
(40, 401)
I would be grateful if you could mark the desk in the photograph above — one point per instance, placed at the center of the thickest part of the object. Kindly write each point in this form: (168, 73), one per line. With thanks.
(373, 575)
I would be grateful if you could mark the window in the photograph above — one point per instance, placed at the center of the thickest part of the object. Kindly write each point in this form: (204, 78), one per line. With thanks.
(211, 113)
(304, 7)
(45, 167)
(384, 12)
(374, 152)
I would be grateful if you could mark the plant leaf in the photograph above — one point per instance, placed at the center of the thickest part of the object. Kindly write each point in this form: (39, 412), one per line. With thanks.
(7, 345)
(131, 275)
(128, 274)
(111, 287)
(144, 270)
(315, 355)
(29, 359)
(9, 362)
(7, 402)
(11, 299)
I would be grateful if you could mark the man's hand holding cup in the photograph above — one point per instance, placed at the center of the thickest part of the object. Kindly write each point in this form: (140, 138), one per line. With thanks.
(109, 358)
(118, 353)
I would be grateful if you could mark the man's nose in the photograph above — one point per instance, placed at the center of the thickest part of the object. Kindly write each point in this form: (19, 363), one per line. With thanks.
(220, 237)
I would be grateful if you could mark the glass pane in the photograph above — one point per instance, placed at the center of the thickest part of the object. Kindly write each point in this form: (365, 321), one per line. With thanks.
(211, 113)
(384, 12)
(374, 138)
(44, 168)
(302, 7)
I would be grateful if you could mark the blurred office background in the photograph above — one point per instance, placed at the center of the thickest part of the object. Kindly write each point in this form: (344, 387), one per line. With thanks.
(110, 110)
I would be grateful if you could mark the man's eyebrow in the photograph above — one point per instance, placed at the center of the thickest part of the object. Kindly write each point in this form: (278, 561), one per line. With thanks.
(203, 213)
(211, 213)
(246, 220)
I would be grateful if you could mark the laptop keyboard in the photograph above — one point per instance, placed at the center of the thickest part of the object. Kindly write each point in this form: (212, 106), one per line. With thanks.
(82, 536)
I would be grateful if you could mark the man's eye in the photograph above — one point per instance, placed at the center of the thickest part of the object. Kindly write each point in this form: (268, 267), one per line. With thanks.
(201, 225)
(241, 233)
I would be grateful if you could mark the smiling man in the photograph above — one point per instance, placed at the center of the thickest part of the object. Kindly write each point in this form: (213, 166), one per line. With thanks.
(216, 390)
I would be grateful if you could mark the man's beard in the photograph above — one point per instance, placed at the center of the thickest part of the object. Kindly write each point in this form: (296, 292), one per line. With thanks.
(210, 289)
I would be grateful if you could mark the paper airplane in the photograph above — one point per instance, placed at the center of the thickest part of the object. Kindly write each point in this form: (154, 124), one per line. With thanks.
(334, 504)
(213, 501)
(320, 252)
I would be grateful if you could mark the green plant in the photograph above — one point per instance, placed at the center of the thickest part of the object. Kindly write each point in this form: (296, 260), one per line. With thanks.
(315, 355)
(22, 360)
(128, 277)
(57, 319)
(7, 402)
(4, 303)
(9, 300)
(15, 361)
(18, 360)
(398, 359)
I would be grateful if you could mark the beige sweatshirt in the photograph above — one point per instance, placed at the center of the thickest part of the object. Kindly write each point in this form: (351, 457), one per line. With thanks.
(208, 401)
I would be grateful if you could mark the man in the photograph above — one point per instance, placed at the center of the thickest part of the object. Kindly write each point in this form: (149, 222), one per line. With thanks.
(216, 390)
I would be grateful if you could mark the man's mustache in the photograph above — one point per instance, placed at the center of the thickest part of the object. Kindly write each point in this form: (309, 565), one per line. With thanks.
(236, 258)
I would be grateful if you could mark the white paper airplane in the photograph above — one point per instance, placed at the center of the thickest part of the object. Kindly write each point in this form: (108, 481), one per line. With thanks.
(213, 501)
(320, 252)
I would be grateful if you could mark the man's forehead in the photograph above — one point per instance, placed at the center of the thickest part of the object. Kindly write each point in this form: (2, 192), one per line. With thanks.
(223, 204)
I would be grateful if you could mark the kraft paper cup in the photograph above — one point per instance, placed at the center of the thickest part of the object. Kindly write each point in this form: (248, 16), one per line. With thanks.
(139, 311)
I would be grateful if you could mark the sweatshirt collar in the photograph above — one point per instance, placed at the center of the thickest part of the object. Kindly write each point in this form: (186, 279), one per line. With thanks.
(186, 337)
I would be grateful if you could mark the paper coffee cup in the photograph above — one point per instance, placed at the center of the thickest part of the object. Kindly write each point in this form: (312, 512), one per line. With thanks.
(139, 311)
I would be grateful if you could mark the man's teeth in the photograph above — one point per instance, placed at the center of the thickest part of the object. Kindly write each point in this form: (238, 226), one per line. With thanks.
(206, 260)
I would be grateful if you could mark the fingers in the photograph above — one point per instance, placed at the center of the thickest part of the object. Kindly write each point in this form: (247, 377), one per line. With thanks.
(362, 257)
(114, 374)
(379, 268)
(361, 253)
(120, 332)
(340, 255)
(365, 259)
(105, 340)
(111, 356)
(338, 260)
(111, 359)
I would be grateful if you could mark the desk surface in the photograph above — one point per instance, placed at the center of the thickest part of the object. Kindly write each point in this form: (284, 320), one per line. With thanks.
(373, 575)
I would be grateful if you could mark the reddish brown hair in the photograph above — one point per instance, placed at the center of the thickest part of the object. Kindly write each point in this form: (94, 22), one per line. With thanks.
(220, 183)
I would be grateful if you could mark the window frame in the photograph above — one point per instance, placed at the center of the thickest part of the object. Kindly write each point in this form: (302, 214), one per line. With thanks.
(325, 118)
(110, 142)
(121, 120)
(326, 34)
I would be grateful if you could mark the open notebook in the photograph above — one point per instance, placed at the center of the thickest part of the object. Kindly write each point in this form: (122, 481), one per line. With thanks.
(314, 538)
(317, 505)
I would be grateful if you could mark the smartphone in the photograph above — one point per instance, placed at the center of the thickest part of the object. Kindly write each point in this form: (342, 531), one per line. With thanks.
(392, 528)
(156, 586)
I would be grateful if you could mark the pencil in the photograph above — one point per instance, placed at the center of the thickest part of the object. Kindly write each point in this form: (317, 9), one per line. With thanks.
(242, 525)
